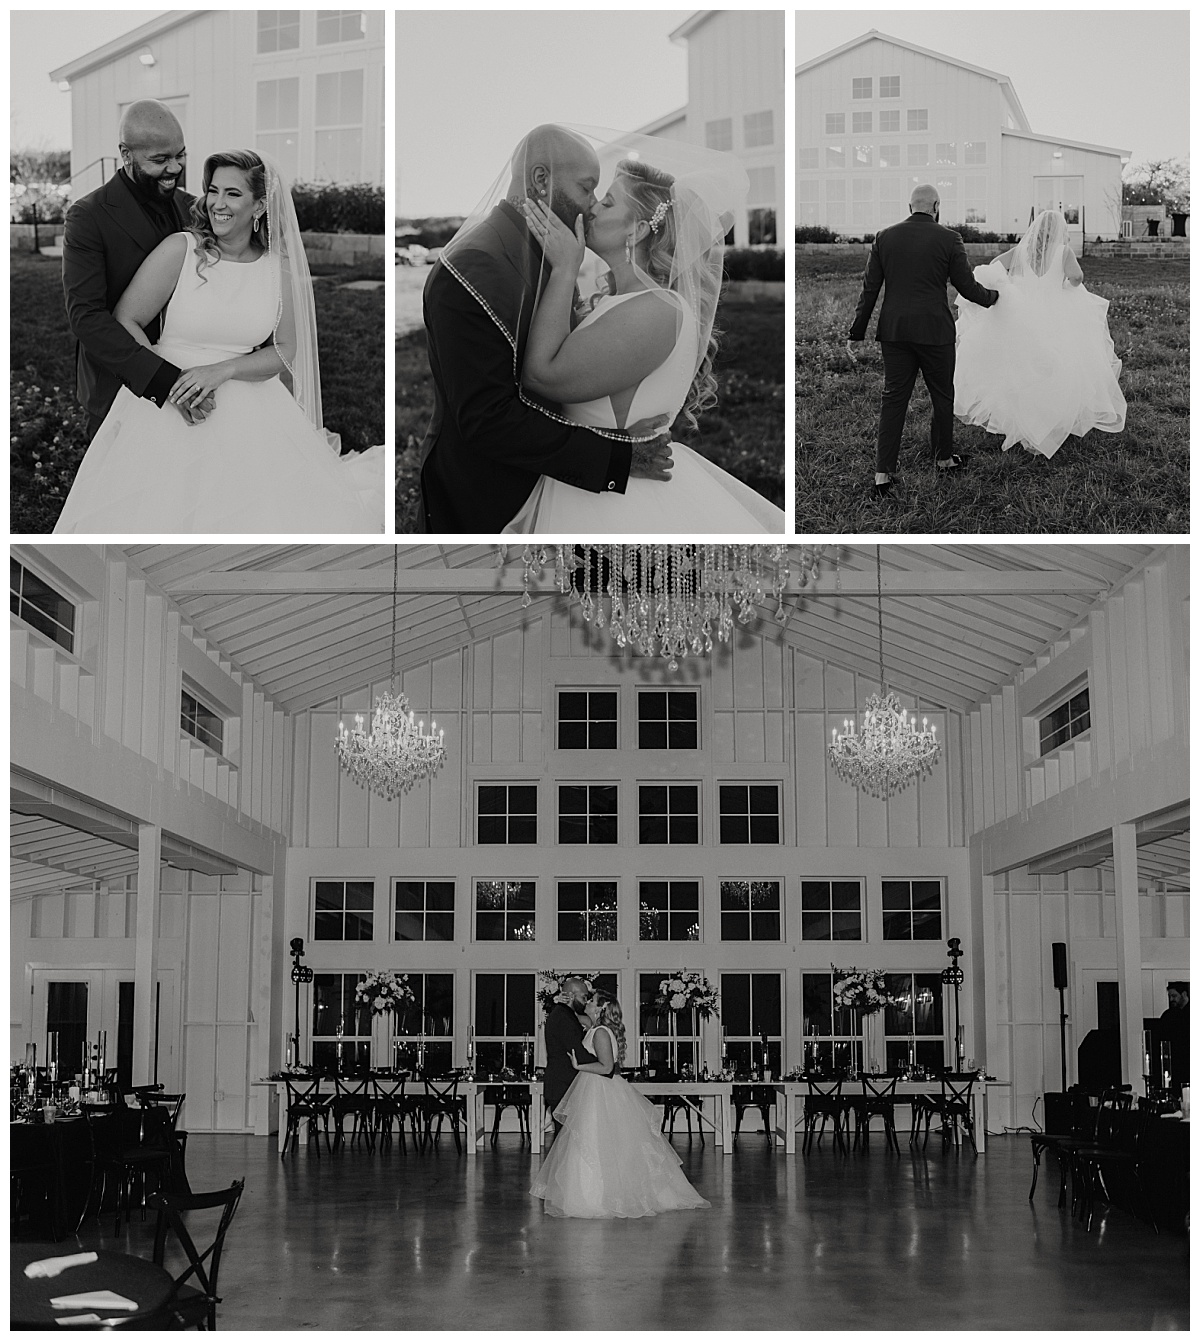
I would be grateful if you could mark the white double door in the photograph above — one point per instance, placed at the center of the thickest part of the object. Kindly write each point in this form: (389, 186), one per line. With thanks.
(1066, 195)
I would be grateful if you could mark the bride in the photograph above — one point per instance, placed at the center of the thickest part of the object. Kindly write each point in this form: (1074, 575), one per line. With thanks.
(645, 348)
(1040, 365)
(239, 320)
(611, 1160)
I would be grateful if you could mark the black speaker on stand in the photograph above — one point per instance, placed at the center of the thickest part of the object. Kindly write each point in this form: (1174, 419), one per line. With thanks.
(1058, 951)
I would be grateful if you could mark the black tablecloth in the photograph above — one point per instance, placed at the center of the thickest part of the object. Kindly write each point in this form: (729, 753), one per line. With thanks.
(1167, 1168)
(53, 1162)
(149, 1286)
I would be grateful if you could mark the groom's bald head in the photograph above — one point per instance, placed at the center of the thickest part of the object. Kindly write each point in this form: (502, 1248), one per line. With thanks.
(560, 168)
(152, 146)
(924, 200)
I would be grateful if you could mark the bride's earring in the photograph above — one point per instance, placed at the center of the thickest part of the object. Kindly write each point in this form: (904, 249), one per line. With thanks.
(257, 221)
(629, 250)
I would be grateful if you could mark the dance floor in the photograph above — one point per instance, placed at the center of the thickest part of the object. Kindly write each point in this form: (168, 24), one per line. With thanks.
(827, 1241)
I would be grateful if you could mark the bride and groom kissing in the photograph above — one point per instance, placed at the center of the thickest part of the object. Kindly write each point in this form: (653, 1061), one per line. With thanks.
(190, 314)
(609, 1159)
(552, 414)
(1030, 356)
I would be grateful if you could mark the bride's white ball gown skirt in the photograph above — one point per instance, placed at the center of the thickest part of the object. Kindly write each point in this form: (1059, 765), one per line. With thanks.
(699, 499)
(611, 1161)
(1040, 365)
(255, 464)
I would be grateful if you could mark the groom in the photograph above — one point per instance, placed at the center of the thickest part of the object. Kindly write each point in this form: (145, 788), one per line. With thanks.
(489, 442)
(564, 1036)
(107, 236)
(915, 259)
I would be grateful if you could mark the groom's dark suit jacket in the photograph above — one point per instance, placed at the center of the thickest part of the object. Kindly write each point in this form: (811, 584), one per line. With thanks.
(487, 446)
(108, 234)
(915, 259)
(564, 1035)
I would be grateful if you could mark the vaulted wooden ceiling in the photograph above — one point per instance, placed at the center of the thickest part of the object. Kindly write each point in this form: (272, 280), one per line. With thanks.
(310, 622)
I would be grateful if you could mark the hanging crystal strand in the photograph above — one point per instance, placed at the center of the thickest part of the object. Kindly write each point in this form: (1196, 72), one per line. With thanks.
(603, 556)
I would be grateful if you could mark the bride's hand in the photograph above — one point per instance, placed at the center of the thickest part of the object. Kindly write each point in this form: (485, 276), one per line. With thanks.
(194, 385)
(562, 247)
(574, 1060)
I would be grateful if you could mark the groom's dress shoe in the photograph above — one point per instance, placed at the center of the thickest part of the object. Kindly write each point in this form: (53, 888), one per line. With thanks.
(955, 462)
(883, 490)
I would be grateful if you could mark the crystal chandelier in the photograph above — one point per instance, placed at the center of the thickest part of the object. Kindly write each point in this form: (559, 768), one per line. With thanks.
(671, 601)
(887, 752)
(398, 751)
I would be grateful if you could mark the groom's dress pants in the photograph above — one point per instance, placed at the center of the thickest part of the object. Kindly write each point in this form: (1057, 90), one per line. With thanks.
(901, 363)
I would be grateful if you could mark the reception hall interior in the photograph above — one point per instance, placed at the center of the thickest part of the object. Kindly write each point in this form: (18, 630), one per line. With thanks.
(884, 852)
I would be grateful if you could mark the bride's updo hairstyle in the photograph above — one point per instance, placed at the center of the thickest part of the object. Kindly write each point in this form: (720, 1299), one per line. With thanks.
(247, 162)
(610, 1015)
(650, 191)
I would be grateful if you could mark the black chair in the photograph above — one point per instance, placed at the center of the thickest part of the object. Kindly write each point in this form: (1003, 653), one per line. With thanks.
(761, 1097)
(442, 1101)
(352, 1098)
(391, 1105)
(501, 1097)
(878, 1099)
(195, 1305)
(131, 1151)
(1110, 1166)
(171, 1105)
(824, 1100)
(1081, 1128)
(306, 1103)
(952, 1107)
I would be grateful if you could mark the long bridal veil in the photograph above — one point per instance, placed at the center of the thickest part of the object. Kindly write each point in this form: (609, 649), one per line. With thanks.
(1039, 366)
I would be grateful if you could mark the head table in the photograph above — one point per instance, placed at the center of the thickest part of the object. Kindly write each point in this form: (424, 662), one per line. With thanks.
(711, 1100)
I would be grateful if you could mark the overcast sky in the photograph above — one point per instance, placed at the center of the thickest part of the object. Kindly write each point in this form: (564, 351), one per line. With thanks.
(1111, 77)
(469, 84)
(40, 114)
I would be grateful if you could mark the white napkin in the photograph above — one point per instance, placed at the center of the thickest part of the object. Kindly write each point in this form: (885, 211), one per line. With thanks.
(95, 1299)
(54, 1266)
(79, 1320)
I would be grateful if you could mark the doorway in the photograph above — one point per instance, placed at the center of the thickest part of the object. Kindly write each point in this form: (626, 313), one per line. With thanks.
(1064, 194)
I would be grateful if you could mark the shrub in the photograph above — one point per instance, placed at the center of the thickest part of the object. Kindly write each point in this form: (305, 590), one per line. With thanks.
(816, 233)
(754, 263)
(969, 233)
(326, 208)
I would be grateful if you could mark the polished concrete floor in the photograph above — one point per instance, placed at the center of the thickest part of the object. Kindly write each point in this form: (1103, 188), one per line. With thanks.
(825, 1241)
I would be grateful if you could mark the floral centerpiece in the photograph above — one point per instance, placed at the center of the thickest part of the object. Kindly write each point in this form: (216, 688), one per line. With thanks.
(863, 990)
(687, 990)
(384, 992)
(550, 983)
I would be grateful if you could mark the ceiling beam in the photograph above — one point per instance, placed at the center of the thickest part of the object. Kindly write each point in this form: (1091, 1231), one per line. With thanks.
(508, 581)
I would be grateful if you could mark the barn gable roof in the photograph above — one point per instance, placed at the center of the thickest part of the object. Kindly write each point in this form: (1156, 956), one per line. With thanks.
(120, 45)
(1006, 87)
(1124, 154)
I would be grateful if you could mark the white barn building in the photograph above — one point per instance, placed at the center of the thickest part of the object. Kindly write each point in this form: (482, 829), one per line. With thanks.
(178, 814)
(879, 115)
(735, 103)
(306, 86)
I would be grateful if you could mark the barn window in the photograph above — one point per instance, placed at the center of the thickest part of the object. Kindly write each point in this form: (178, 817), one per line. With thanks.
(340, 25)
(861, 122)
(835, 123)
(835, 156)
(975, 153)
(339, 126)
(863, 155)
(861, 88)
(278, 30)
(889, 86)
(946, 155)
(889, 122)
(277, 125)
(758, 129)
(918, 155)
(918, 118)
(808, 159)
(719, 134)
(889, 155)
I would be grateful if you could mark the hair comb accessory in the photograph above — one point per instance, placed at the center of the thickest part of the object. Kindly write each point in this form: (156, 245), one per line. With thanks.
(659, 215)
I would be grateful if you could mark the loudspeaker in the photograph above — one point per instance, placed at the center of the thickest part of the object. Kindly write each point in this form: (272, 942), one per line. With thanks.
(1099, 1060)
(1059, 952)
(1057, 1113)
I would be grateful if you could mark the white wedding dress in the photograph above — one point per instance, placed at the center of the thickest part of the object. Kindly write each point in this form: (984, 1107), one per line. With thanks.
(1039, 365)
(611, 1161)
(256, 464)
(699, 499)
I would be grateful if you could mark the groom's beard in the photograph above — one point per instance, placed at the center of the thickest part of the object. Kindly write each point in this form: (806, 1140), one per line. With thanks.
(565, 208)
(578, 1007)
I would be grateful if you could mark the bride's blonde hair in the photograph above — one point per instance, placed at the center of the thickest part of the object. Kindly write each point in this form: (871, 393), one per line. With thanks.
(610, 1016)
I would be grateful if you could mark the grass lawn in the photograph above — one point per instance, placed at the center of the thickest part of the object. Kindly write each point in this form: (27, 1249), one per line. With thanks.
(1135, 481)
(48, 433)
(742, 434)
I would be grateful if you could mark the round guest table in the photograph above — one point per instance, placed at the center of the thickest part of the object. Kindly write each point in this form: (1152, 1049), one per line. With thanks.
(149, 1287)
